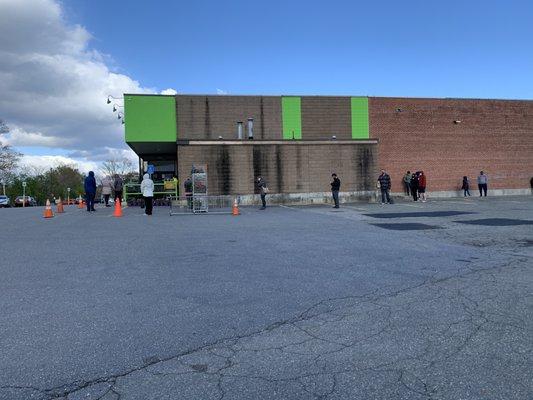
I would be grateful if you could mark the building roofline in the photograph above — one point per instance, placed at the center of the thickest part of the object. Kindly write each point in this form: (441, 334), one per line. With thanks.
(326, 96)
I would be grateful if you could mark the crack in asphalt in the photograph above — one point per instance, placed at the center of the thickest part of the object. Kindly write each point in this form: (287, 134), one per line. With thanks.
(477, 319)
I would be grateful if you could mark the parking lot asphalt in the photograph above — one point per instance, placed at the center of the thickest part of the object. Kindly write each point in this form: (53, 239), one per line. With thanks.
(406, 301)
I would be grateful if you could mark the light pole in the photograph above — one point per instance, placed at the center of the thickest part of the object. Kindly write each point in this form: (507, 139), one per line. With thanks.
(24, 194)
(68, 196)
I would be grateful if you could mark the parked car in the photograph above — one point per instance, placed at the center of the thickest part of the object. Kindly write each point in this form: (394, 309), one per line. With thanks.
(5, 201)
(29, 201)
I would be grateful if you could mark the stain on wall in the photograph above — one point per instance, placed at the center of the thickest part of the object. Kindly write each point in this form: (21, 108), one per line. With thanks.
(223, 170)
(297, 168)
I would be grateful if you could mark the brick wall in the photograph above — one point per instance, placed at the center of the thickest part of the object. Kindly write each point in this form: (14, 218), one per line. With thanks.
(287, 168)
(495, 136)
(208, 117)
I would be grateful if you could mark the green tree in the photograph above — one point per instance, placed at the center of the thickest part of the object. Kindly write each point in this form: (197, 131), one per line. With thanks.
(52, 183)
(9, 158)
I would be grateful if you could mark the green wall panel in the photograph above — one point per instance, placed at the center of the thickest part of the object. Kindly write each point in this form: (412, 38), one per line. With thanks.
(150, 118)
(291, 109)
(360, 118)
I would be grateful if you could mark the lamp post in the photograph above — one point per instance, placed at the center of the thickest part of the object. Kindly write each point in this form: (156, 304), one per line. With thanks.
(68, 196)
(120, 115)
(3, 186)
(116, 106)
(112, 97)
(24, 194)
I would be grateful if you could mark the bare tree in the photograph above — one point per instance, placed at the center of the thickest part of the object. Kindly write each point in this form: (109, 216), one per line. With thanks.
(9, 158)
(121, 166)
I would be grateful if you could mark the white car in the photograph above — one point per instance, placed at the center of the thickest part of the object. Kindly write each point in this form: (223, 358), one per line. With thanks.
(5, 201)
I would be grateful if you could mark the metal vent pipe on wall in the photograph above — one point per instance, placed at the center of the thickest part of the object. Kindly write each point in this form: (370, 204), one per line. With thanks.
(239, 130)
(250, 128)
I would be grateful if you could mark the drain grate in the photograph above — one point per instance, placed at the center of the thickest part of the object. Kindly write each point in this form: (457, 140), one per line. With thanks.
(497, 222)
(419, 214)
(406, 226)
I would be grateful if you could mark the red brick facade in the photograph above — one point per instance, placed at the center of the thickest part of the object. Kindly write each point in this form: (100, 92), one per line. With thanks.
(495, 136)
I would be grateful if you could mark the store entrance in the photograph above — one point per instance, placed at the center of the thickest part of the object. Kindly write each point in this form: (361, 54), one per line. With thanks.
(163, 169)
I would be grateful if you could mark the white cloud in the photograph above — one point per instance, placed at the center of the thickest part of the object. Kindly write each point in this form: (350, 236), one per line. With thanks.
(20, 137)
(169, 91)
(33, 164)
(220, 91)
(53, 87)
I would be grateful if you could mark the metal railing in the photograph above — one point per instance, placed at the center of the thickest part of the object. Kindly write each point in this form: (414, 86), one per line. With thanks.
(200, 204)
(164, 189)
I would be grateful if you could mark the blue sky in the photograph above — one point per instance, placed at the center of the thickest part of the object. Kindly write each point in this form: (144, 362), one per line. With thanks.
(61, 58)
(382, 48)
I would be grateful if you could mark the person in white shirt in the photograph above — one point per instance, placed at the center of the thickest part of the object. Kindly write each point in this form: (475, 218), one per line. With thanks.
(147, 189)
(482, 181)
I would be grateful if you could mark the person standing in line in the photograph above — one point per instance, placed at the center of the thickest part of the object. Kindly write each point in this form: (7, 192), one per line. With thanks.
(107, 187)
(263, 190)
(466, 186)
(118, 186)
(482, 181)
(90, 191)
(414, 186)
(147, 189)
(384, 185)
(422, 186)
(335, 187)
(407, 183)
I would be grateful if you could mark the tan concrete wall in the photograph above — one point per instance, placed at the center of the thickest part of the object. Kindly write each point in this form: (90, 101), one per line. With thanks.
(208, 117)
(323, 117)
(287, 168)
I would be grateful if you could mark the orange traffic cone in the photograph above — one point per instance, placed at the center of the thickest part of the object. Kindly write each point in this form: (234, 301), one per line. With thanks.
(80, 202)
(118, 209)
(48, 210)
(235, 210)
(60, 208)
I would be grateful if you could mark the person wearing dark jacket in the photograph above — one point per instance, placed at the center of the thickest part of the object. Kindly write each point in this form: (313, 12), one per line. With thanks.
(263, 190)
(90, 191)
(335, 187)
(414, 186)
(118, 187)
(466, 186)
(384, 185)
